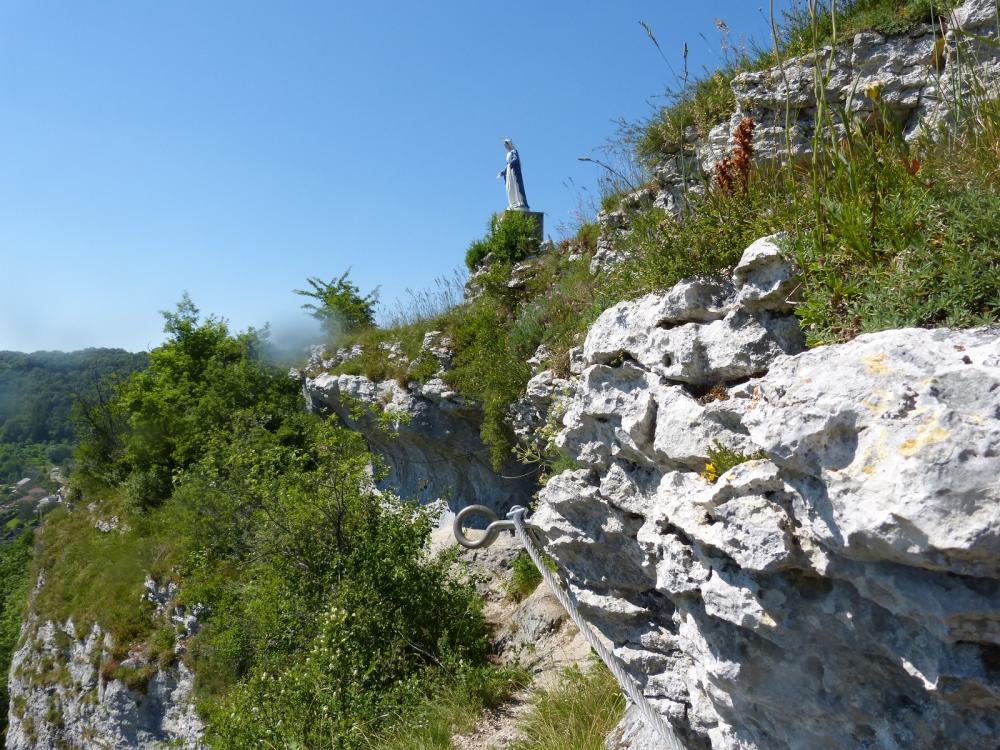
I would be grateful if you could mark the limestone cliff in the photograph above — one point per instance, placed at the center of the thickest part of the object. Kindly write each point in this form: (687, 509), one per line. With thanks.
(68, 689)
(433, 450)
(838, 587)
(836, 584)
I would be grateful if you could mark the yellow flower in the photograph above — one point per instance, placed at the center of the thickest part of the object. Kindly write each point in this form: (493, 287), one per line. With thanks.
(873, 91)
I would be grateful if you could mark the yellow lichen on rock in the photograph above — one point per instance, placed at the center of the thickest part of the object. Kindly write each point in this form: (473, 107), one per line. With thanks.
(928, 434)
(876, 364)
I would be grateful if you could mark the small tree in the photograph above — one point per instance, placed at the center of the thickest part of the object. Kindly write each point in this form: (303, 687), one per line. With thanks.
(340, 307)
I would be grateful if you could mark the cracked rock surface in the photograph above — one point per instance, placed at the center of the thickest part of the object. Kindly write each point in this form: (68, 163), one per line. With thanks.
(62, 694)
(434, 451)
(839, 587)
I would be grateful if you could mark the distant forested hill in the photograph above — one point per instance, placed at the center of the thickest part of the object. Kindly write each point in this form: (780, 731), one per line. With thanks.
(37, 392)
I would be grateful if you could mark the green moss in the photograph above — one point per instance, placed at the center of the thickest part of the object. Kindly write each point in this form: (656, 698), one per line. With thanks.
(135, 679)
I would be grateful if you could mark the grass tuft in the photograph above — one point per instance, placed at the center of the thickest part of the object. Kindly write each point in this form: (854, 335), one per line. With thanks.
(577, 714)
(453, 709)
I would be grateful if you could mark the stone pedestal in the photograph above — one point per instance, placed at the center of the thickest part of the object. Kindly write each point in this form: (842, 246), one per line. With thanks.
(538, 216)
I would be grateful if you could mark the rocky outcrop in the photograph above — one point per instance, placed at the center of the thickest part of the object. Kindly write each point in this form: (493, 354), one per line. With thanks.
(838, 585)
(67, 688)
(917, 80)
(426, 433)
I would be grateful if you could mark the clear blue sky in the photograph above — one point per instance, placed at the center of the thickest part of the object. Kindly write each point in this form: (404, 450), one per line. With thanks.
(231, 149)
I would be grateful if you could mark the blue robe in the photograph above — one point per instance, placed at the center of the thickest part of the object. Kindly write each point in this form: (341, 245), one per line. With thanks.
(516, 198)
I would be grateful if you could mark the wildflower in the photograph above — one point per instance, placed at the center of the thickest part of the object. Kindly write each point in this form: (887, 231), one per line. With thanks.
(874, 91)
(710, 473)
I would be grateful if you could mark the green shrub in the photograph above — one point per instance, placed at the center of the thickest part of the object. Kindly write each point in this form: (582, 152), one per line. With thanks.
(340, 307)
(524, 577)
(321, 613)
(159, 419)
(324, 615)
(512, 237)
(496, 335)
(490, 366)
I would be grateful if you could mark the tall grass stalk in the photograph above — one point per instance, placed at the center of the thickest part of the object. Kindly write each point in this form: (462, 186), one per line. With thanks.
(419, 305)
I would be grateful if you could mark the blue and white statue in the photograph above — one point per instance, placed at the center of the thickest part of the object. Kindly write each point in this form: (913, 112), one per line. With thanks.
(511, 174)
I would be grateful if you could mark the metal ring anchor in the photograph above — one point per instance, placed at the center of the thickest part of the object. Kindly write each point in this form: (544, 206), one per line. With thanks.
(492, 531)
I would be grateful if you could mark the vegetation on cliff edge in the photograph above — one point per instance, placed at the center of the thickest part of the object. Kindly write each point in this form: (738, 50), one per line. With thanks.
(888, 232)
(322, 619)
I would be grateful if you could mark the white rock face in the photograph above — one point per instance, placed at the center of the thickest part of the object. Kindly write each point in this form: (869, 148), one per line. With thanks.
(60, 698)
(434, 452)
(705, 332)
(839, 589)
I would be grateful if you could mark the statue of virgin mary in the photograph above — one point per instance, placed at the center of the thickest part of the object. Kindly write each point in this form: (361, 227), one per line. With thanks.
(511, 174)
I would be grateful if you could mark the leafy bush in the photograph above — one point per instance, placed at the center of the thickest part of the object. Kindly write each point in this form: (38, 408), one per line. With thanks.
(512, 237)
(323, 619)
(496, 335)
(157, 422)
(340, 307)
(524, 577)
(490, 365)
(340, 619)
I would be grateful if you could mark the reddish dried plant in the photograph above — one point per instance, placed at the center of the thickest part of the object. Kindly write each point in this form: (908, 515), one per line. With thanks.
(732, 172)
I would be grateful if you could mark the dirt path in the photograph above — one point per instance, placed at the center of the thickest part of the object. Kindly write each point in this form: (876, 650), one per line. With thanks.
(496, 730)
(535, 634)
